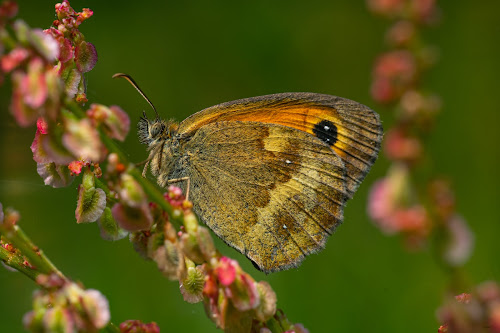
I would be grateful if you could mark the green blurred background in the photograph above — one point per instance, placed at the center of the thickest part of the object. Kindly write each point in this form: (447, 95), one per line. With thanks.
(188, 55)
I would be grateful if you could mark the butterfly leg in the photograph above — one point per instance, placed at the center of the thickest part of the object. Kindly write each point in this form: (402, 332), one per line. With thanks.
(177, 180)
(145, 168)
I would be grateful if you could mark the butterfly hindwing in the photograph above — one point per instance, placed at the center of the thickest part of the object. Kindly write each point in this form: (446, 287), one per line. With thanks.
(273, 192)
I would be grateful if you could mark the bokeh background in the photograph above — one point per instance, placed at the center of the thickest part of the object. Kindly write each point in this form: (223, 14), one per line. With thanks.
(188, 55)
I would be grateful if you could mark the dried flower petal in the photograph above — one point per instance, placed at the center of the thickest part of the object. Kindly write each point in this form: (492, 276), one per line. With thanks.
(132, 218)
(33, 86)
(45, 44)
(189, 246)
(52, 147)
(71, 77)
(54, 175)
(91, 200)
(39, 153)
(22, 30)
(66, 50)
(109, 227)
(206, 243)
(192, 286)
(267, 306)
(131, 191)
(58, 319)
(170, 260)
(82, 140)
(96, 307)
(460, 241)
(85, 56)
(244, 293)
(23, 114)
(115, 121)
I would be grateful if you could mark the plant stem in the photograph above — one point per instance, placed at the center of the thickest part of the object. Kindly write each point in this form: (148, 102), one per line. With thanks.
(16, 261)
(110, 328)
(15, 235)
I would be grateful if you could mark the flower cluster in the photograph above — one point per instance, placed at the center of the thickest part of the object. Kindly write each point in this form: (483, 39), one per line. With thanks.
(64, 306)
(47, 73)
(399, 203)
(136, 326)
(232, 298)
(422, 11)
(478, 311)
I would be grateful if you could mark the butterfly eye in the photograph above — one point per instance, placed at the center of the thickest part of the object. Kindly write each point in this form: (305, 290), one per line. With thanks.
(156, 130)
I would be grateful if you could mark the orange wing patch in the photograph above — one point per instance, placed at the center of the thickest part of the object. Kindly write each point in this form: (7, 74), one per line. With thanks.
(352, 130)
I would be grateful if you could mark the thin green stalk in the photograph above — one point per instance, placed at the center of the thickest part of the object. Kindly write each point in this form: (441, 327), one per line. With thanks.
(105, 188)
(27, 248)
(110, 328)
(151, 190)
(17, 262)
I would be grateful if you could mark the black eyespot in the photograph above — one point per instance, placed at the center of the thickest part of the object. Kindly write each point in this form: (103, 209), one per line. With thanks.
(326, 131)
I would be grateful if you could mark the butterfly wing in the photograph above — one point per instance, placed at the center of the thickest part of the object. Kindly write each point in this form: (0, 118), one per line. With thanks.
(272, 192)
(351, 129)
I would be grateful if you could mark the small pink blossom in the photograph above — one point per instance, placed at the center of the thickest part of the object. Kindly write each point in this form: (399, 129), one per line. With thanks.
(226, 271)
(42, 126)
(393, 73)
(23, 114)
(387, 7)
(33, 85)
(463, 298)
(401, 33)
(76, 167)
(8, 9)
(137, 326)
(13, 59)
(400, 146)
(174, 196)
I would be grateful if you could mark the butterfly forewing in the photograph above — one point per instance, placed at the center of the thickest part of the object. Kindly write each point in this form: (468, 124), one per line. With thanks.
(350, 129)
(273, 192)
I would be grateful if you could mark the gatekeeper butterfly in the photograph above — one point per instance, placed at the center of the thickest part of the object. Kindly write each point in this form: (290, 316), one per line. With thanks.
(270, 175)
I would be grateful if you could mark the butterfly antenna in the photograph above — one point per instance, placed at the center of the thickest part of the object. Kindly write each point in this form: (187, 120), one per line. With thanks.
(136, 86)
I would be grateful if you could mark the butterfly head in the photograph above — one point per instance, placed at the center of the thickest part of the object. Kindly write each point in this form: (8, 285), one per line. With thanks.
(151, 131)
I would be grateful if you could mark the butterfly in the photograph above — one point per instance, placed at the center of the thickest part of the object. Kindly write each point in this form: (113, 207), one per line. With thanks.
(269, 175)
